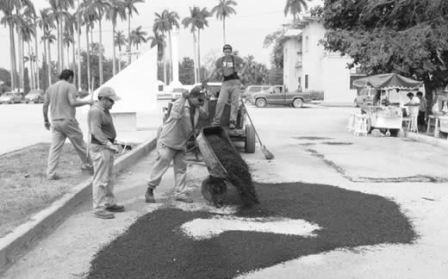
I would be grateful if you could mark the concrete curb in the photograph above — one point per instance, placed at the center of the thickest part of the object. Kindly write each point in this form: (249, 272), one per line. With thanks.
(14, 244)
(429, 140)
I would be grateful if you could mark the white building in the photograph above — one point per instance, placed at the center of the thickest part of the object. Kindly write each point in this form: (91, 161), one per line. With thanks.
(308, 66)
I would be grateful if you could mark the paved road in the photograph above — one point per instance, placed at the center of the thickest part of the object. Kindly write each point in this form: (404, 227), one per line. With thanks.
(311, 145)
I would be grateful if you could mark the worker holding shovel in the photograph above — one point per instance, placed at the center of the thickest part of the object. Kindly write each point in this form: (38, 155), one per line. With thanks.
(172, 141)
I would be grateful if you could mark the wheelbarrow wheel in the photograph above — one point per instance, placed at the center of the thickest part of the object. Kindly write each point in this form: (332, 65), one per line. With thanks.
(249, 144)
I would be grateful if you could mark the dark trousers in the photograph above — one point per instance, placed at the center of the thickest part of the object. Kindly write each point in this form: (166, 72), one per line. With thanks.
(421, 119)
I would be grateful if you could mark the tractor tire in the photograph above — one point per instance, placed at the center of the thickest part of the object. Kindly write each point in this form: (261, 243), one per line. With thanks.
(297, 103)
(260, 102)
(249, 142)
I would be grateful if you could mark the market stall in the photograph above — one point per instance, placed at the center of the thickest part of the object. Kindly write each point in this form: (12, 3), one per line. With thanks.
(386, 112)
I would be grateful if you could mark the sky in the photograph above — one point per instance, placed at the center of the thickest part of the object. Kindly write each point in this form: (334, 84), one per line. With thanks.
(245, 31)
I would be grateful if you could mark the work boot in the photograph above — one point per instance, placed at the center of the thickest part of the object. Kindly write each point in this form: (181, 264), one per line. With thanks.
(149, 196)
(103, 214)
(115, 208)
(232, 125)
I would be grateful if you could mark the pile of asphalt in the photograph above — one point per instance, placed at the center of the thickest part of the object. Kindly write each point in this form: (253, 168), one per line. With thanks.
(155, 246)
(237, 169)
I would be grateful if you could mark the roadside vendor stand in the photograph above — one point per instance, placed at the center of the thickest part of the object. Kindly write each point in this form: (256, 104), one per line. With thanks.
(385, 115)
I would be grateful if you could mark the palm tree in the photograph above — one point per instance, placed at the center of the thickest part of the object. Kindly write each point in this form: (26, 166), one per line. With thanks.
(115, 11)
(196, 22)
(138, 36)
(45, 23)
(130, 7)
(100, 6)
(158, 40)
(25, 31)
(295, 7)
(69, 39)
(9, 18)
(119, 40)
(164, 23)
(88, 17)
(221, 11)
(59, 12)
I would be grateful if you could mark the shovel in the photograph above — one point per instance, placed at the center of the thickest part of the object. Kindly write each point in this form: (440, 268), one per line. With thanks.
(267, 154)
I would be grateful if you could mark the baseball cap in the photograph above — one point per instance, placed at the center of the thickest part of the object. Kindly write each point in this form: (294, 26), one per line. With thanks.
(227, 46)
(108, 92)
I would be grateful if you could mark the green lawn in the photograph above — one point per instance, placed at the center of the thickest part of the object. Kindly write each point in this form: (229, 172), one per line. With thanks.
(24, 189)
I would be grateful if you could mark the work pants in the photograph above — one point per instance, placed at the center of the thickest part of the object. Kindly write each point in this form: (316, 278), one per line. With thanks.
(102, 183)
(229, 90)
(62, 129)
(164, 157)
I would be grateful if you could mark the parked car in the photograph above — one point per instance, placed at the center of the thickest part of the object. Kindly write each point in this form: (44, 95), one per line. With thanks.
(34, 96)
(278, 95)
(251, 89)
(11, 98)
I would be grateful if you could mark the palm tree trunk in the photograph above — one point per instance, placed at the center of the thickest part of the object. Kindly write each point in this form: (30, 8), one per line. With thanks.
(114, 55)
(88, 60)
(74, 61)
(59, 42)
(170, 68)
(165, 75)
(119, 59)
(62, 45)
(68, 55)
(224, 29)
(30, 62)
(195, 57)
(49, 66)
(199, 55)
(100, 53)
(129, 37)
(36, 48)
(12, 54)
(21, 63)
(78, 48)
(44, 60)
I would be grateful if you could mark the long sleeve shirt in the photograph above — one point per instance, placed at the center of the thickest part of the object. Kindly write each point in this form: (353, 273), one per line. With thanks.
(180, 124)
(101, 125)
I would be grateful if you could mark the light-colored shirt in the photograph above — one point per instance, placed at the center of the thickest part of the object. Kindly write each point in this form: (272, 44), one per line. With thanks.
(101, 125)
(57, 96)
(413, 108)
(423, 104)
(180, 124)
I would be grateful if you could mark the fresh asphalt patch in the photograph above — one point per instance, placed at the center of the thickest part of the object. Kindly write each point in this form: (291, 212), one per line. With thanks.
(156, 247)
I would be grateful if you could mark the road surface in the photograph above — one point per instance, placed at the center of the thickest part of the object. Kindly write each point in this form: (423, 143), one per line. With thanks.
(311, 147)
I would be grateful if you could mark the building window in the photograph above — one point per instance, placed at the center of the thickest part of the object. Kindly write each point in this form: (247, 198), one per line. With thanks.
(306, 82)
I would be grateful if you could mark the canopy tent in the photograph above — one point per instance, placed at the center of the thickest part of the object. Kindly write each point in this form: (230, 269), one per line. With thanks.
(387, 81)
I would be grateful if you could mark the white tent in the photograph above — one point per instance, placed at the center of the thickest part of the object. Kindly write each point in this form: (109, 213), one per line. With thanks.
(137, 86)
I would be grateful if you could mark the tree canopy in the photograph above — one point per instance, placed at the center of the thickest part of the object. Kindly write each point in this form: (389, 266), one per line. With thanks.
(408, 37)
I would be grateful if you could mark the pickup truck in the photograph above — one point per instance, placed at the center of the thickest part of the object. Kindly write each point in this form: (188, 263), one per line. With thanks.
(278, 95)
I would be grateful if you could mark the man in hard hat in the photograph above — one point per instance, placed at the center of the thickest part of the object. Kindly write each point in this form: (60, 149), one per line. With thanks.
(102, 150)
(171, 144)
